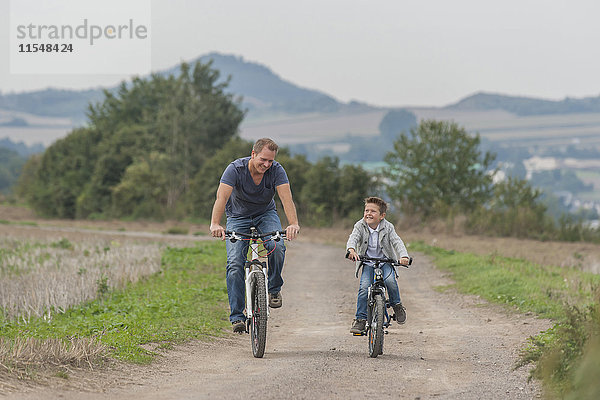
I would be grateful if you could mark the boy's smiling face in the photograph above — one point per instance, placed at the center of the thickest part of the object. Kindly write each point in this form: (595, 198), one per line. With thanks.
(373, 215)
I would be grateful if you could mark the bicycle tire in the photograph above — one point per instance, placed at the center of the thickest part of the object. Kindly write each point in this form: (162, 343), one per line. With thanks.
(376, 327)
(258, 322)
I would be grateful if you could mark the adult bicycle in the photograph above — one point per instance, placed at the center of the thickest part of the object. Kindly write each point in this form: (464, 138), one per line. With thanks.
(256, 278)
(378, 318)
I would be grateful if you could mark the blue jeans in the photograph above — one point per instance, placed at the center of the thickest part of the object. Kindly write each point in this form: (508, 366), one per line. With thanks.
(366, 280)
(237, 254)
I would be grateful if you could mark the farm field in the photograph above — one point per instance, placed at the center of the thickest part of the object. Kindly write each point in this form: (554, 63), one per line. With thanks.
(495, 125)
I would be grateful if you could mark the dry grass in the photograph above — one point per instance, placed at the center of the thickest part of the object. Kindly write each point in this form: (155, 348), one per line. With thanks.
(24, 353)
(25, 358)
(45, 275)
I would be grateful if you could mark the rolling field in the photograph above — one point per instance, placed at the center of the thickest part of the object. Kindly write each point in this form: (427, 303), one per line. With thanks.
(495, 125)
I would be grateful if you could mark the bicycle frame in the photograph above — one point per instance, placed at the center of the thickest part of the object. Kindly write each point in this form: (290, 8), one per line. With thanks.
(254, 266)
(377, 287)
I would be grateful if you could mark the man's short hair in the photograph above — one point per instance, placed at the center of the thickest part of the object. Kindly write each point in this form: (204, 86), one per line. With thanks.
(261, 143)
(379, 202)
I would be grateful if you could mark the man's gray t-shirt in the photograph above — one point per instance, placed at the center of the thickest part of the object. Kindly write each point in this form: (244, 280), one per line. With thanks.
(248, 199)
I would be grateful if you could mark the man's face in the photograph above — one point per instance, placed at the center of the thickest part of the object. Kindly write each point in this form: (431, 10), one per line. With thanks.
(263, 160)
(372, 215)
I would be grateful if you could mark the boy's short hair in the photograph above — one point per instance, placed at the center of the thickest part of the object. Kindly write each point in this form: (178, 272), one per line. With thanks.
(379, 202)
(261, 143)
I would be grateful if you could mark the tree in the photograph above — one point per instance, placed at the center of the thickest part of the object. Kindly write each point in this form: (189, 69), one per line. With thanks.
(318, 198)
(395, 122)
(203, 187)
(392, 124)
(331, 193)
(514, 210)
(10, 168)
(166, 127)
(133, 197)
(438, 168)
(355, 185)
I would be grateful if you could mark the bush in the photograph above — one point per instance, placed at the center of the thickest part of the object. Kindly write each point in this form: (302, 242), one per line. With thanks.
(568, 356)
(514, 210)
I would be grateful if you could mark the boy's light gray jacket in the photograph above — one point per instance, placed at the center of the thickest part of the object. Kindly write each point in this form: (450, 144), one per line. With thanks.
(391, 244)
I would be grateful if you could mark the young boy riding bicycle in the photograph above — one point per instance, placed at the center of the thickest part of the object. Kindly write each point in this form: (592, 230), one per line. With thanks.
(374, 236)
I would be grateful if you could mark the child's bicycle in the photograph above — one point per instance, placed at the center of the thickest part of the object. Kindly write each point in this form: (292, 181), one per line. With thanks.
(257, 308)
(377, 303)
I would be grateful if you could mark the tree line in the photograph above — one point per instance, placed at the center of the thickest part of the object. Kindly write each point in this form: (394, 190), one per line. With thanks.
(156, 148)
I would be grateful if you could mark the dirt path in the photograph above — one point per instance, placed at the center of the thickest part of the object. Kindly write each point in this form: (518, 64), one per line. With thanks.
(452, 347)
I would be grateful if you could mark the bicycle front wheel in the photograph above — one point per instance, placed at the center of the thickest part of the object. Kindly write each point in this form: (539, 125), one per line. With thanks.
(258, 323)
(376, 327)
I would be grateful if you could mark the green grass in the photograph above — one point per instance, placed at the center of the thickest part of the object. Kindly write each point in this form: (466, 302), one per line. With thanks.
(565, 356)
(517, 283)
(187, 299)
(24, 223)
(177, 230)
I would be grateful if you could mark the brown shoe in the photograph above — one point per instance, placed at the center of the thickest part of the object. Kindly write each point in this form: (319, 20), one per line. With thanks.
(238, 326)
(358, 327)
(400, 312)
(275, 300)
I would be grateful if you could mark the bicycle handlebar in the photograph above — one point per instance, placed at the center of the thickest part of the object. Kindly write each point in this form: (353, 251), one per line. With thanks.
(365, 257)
(276, 235)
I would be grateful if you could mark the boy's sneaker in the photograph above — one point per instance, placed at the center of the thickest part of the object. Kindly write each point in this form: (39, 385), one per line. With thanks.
(400, 312)
(275, 300)
(238, 326)
(358, 327)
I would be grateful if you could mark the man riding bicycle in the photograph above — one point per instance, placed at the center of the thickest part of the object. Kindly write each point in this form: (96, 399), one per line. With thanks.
(246, 195)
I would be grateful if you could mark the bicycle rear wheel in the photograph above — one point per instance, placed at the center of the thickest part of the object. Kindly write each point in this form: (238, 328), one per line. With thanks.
(376, 327)
(258, 323)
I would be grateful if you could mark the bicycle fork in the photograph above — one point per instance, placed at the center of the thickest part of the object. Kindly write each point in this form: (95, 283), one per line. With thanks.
(251, 269)
(371, 302)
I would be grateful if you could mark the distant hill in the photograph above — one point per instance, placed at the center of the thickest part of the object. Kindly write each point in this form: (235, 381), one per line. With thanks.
(526, 105)
(263, 91)
(21, 148)
(266, 93)
(52, 102)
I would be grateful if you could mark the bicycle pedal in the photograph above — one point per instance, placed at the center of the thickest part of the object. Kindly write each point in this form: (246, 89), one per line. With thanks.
(359, 334)
(385, 332)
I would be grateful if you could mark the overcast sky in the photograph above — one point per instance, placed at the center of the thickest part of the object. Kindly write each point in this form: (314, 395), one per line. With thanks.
(389, 53)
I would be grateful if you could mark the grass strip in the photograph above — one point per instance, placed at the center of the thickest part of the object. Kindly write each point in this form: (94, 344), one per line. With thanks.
(518, 283)
(186, 299)
(566, 355)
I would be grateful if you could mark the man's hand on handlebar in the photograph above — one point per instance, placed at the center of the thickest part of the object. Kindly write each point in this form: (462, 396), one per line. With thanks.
(217, 230)
(404, 261)
(291, 231)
